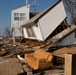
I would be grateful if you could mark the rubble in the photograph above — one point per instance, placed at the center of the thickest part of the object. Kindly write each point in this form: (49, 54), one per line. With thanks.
(10, 51)
(2, 52)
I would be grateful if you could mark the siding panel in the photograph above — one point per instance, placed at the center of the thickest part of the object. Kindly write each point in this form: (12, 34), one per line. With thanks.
(52, 19)
(16, 24)
(70, 39)
(37, 33)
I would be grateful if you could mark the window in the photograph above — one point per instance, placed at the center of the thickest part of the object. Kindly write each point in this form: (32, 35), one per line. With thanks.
(19, 16)
(22, 16)
(16, 16)
(30, 32)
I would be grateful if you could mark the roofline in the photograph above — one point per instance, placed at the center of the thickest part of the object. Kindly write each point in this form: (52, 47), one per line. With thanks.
(19, 7)
(41, 14)
(32, 23)
(66, 35)
(51, 7)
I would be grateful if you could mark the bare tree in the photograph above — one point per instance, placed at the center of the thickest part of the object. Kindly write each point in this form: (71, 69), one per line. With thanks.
(70, 6)
(73, 20)
(7, 32)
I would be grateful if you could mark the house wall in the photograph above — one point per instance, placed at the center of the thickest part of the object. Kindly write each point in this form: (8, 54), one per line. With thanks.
(51, 20)
(36, 31)
(15, 24)
(25, 32)
(70, 39)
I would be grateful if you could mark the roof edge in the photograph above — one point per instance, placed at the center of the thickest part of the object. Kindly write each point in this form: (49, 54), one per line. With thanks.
(52, 6)
(28, 24)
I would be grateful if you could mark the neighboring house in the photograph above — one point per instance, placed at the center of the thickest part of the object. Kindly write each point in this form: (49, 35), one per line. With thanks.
(66, 37)
(18, 17)
(47, 23)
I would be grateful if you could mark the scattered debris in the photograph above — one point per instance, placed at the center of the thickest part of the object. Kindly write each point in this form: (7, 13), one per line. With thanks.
(2, 52)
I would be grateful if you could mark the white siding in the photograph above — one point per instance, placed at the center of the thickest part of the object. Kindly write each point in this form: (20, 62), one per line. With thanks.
(52, 19)
(25, 33)
(70, 39)
(36, 31)
(16, 24)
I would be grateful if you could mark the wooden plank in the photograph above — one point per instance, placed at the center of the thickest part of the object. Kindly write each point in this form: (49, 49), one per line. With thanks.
(68, 64)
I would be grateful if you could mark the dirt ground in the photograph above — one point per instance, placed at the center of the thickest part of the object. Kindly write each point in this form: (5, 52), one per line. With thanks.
(10, 66)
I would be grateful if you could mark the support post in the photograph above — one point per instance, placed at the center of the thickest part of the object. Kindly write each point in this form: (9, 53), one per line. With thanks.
(70, 64)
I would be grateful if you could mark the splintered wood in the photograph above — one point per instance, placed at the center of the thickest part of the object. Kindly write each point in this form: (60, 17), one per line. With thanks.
(2, 52)
(36, 44)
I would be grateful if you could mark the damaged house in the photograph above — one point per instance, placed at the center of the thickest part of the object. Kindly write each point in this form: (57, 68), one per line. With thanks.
(50, 23)
(18, 17)
(46, 23)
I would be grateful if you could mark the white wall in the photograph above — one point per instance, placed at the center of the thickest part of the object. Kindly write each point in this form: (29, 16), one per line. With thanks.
(36, 31)
(52, 19)
(70, 39)
(16, 24)
(25, 32)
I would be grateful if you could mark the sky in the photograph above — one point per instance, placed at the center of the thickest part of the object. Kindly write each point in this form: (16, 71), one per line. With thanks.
(7, 5)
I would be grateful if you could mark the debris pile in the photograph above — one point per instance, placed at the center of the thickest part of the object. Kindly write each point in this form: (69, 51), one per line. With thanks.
(10, 52)
(35, 43)
(2, 52)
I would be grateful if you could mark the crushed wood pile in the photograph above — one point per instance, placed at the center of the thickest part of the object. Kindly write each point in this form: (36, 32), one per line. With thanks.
(35, 43)
(2, 52)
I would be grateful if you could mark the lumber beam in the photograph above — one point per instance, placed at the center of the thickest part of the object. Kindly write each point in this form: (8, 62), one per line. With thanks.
(70, 64)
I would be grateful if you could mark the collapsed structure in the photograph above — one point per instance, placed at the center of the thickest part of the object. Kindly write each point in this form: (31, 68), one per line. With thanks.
(46, 23)
(50, 23)
(48, 28)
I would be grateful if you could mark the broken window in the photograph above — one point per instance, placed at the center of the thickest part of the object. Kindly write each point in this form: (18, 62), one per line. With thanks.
(30, 32)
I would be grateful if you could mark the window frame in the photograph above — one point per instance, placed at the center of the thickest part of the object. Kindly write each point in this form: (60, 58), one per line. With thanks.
(29, 32)
(19, 16)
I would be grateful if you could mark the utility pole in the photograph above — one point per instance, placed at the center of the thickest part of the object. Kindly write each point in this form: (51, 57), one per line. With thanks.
(26, 2)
